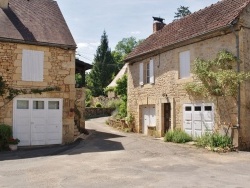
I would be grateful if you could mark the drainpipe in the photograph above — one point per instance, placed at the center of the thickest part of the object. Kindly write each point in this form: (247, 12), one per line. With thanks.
(238, 69)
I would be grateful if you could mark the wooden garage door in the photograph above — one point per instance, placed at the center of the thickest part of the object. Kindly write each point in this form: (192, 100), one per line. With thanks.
(198, 118)
(37, 121)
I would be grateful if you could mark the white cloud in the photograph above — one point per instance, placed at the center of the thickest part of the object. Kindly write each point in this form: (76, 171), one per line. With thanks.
(135, 32)
(82, 45)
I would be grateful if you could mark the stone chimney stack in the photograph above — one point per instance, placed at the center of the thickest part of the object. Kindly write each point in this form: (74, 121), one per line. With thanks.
(158, 24)
(4, 4)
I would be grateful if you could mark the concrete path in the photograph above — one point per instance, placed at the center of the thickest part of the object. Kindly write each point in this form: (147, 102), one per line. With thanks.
(109, 158)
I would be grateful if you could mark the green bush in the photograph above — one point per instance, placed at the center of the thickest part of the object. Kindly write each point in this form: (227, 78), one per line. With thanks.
(122, 110)
(177, 136)
(88, 104)
(214, 140)
(5, 134)
(98, 105)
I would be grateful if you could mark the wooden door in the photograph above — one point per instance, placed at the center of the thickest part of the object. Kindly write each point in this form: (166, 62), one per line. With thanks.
(167, 117)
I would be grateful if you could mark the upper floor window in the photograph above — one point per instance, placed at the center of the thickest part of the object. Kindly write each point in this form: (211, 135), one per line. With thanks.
(147, 73)
(184, 60)
(32, 65)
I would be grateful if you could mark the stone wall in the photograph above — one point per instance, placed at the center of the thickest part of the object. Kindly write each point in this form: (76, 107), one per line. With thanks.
(97, 112)
(59, 70)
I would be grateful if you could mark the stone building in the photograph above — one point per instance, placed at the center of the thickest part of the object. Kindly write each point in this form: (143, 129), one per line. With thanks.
(161, 66)
(37, 53)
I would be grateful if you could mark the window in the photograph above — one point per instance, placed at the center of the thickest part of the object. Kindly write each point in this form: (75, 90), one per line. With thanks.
(184, 59)
(32, 65)
(22, 104)
(188, 108)
(147, 73)
(53, 105)
(38, 105)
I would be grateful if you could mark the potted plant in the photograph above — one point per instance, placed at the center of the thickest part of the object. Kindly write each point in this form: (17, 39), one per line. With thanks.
(13, 142)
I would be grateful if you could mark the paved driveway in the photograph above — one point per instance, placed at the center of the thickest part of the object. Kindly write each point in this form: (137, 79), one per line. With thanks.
(109, 158)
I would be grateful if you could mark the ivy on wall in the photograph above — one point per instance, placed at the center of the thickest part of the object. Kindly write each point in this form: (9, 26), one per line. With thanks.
(10, 93)
(217, 77)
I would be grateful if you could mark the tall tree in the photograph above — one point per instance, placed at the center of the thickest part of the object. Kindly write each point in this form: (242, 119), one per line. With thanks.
(103, 67)
(182, 11)
(123, 48)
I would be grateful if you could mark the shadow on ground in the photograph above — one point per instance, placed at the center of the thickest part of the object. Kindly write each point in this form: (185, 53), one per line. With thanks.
(96, 142)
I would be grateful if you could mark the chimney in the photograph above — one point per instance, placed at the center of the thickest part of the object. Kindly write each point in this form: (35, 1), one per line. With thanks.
(4, 4)
(158, 24)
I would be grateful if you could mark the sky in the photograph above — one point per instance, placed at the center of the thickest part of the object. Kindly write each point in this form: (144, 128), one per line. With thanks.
(87, 19)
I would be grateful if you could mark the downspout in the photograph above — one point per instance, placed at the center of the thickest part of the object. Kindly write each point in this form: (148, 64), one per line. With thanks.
(238, 70)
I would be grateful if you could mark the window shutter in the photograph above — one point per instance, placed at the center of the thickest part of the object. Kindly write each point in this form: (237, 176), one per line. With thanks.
(184, 64)
(32, 65)
(141, 74)
(26, 72)
(38, 59)
(151, 71)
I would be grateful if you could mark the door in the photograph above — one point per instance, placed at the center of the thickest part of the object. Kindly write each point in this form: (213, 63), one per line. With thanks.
(167, 117)
(54, 122)
(198, 119)
(38, 121)
(21, 121)
(148, 114)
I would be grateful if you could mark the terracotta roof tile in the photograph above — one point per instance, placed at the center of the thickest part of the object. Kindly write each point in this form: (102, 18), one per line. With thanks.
(211, 18)
(38, 21)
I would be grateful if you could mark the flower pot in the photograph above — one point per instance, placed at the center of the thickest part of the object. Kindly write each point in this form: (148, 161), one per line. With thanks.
(13, 147)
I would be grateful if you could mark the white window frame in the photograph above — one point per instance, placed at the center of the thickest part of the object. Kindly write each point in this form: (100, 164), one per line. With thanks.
(32, 65)
(184, 64)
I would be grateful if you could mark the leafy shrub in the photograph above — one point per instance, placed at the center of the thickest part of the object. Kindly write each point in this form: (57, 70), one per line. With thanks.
(177, 136)
(214, 140)
(88, 104)
(5, 134)
(98, 105)
(122, 110)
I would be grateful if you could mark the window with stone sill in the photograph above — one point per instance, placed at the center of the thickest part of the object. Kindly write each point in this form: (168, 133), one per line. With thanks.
(32, 65)
(147, 73)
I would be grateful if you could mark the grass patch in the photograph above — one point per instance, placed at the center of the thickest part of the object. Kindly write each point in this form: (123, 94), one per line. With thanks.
(177, 136)
(215, 142)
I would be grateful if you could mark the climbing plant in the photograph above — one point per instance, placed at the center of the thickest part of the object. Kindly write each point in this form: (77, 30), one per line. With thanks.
(217, 77)
(8, 93)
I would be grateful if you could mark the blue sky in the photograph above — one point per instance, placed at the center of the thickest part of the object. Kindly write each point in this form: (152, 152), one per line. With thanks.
(87, 19)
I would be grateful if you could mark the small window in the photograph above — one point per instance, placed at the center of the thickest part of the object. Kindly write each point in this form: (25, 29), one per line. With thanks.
(38, 105)
(184, 63)
(197, 108)
(208, 108)
(53, 105)
(188, 108)
(22, 104)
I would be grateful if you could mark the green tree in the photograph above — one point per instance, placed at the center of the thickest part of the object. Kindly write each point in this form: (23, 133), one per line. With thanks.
(121, 90)
(182, 11)
(103, 68)
(123, 48)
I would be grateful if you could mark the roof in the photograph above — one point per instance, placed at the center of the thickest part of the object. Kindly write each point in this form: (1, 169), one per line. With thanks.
(119, 75)
(212, 18)
(35, 21)
(81, 65)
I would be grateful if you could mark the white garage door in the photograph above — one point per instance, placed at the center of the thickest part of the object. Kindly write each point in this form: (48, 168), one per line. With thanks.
(148, 115)
(198, 118)
(37, 121)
